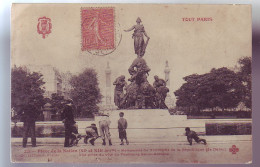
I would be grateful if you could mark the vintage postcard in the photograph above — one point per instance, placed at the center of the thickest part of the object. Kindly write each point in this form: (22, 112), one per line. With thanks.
(131, 83)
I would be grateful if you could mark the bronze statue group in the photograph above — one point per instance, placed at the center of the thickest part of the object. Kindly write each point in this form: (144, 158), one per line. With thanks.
(139, 94)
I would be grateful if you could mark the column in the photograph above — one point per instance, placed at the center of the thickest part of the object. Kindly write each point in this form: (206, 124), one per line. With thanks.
(167, 71)
(108, 87)
(168, 100)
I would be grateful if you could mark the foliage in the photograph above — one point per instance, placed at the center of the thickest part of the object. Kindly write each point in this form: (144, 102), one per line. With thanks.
(57, 102)
(245, 74)
(85, 92)
(219, 88)
(26, 91)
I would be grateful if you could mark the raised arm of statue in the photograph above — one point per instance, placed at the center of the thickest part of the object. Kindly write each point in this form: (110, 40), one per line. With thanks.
(130, 29)
(115, 82)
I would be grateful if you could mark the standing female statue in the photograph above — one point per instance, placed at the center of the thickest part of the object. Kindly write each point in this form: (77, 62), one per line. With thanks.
(138, 37)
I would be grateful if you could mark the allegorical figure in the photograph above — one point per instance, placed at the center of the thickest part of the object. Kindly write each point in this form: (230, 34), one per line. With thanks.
(94, 26)
(69, 123)
(119, 90)
(149, 95)
(161, 92)
(138, 71)
(29, 117)
(138, 36)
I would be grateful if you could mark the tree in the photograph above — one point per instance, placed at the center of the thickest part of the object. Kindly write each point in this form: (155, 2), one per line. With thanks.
(57, 102)
(26, 90)
(245, 73)
(85, 92)
(186, 94)
(218, 88)
(226, 88)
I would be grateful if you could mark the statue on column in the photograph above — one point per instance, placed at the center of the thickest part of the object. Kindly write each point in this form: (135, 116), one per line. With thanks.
(138, 36)
(161, 92)
(119, 90)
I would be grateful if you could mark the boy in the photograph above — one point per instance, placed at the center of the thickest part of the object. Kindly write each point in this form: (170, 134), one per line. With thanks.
(122, 125)
(92, 133)
(193, 135)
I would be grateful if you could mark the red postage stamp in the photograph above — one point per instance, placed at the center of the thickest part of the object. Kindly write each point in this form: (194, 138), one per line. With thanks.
(44, 26)
(97, 28)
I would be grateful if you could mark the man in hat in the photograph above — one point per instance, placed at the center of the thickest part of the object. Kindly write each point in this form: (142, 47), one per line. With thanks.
(138, 37)
(193, 135)
(29, 116)
(68, 120)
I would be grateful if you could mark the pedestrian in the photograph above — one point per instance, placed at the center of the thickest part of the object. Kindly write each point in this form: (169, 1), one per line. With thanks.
(122, 125)
(104, 124)
(69, 123)
(29, 117)
(193, 135)
(92, 134)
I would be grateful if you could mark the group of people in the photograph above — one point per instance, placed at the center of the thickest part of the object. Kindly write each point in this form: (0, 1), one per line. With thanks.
(104, 123)
(72, 136)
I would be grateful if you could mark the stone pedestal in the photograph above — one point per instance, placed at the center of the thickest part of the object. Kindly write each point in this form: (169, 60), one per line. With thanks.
(151, 125)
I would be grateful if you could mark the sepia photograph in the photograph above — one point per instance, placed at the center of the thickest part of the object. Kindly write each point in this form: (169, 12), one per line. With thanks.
(131, 83)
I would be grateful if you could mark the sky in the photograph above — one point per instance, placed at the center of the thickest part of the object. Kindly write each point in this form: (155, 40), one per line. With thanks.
(189, 46)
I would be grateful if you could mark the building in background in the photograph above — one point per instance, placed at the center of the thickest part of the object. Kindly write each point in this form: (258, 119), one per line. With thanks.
(65, 85)
(51, 77)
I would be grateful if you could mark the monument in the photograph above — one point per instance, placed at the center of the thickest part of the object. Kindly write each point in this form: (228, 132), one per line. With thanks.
(140, 93)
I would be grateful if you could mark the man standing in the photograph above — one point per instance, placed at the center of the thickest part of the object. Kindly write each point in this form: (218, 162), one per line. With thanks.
(104, 124)
(68, 120)
(29, 117)
(122, 125)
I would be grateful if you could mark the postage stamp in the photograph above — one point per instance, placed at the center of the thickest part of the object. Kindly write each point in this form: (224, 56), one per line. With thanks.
(97, 28)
